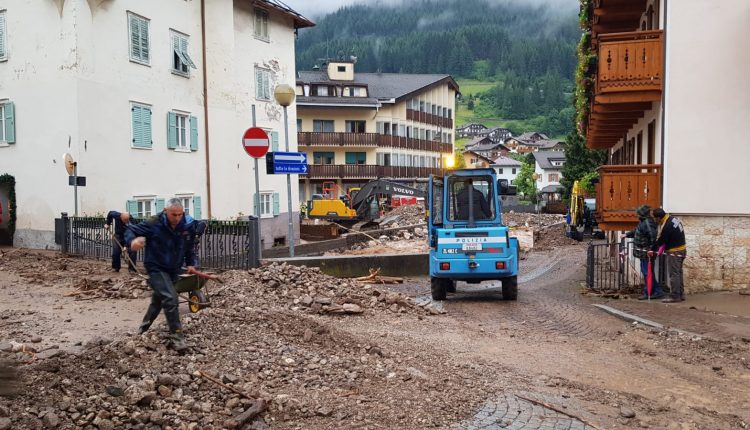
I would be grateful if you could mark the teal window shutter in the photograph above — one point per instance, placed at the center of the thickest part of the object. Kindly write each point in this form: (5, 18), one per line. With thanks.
(197, 207)
(146, 137)
(351, 158)
(193, 133)
(132, 207)
(159, 206)
(171, 130)
(10, 123)
(274, 141)
(275, 204)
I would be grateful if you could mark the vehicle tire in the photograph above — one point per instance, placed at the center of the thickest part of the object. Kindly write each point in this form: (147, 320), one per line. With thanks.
(196, 300)
(451, 286)
(510, 288)
(438, 287)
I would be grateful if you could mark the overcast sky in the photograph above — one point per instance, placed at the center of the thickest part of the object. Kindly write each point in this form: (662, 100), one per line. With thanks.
(314, 8)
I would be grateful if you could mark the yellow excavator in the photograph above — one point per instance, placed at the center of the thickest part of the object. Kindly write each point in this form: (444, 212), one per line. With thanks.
(359, 204)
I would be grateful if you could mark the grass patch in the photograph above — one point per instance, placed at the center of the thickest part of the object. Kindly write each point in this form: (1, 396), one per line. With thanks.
(474, 86)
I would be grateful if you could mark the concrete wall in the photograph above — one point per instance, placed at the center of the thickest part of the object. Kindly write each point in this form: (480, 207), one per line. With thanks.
(707, 99)
(73, 83)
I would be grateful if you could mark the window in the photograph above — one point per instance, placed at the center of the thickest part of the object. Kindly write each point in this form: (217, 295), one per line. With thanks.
(323, 125)
(261, 24)
(341, 68)
(355, 126)
(181, 61)
(320, 90)
(141, 125)
(7, 122)
(402, 130)
(356, 157)
(140, 50)
(554, 177)
(182, 131)
(500, 171)
(262, 84)
(299, 124)
(185, 201)
(266, 205)
(421, 106)
(322, 157)
(513, 171)
(3, 38)
(144, 208)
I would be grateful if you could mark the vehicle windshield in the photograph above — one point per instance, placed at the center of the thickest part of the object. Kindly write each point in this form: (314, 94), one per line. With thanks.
(471, 195)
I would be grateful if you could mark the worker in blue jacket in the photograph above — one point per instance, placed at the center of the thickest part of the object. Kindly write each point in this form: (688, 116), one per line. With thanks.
(168, 240)
(121, 221)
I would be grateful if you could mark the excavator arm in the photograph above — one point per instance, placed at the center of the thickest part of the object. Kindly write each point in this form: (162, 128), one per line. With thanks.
(379, 186)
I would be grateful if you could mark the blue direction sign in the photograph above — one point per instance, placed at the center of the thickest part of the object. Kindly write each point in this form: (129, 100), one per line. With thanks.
(286, 163)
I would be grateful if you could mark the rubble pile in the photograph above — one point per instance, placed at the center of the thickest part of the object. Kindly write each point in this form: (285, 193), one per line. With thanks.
(404, 215)
(532, 220)
(413, 240)
(83, 278)
(259, 356)
(553, 237)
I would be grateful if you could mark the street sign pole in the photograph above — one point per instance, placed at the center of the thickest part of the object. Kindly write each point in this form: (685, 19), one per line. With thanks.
(75, 188)
(257, 197)
(289, 187)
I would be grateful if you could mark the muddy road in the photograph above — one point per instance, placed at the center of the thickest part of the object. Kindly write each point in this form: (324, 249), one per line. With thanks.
(549, 360)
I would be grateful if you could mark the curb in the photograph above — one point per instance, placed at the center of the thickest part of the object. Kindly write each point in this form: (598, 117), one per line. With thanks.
(635, 318)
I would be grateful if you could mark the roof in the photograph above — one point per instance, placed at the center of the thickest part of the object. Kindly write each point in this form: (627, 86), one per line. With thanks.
(368, 102)
(477, 141)
(506, 162)
(382, 86)
(490, 130)
(544, 158)
(491, 146)
(471, 124)
(482, 157)
(278, 5)
(529, 135)
(552, 189)
(546, 144)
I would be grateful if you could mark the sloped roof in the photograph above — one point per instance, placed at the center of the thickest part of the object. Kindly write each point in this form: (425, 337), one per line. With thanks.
(552, 189)
(491, 146)
(477, 141)
(506, 162)
(382, 86)
(544, 158)
(545, 144)
(470, 124)
(299, 20)
(482, 157)
(530, 134)
(368, 102)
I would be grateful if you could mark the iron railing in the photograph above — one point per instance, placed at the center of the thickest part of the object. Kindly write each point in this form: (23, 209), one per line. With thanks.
(224, 245)
(612, 267)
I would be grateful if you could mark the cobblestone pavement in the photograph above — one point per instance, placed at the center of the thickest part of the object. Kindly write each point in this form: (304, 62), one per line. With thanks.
(511, 412)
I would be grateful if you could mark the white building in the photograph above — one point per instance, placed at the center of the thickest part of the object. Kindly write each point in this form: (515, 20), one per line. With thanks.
(151, 99)
(507, 168)
(548, 170)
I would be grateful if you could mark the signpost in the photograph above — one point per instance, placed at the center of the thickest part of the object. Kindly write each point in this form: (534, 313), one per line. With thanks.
(255, 143)
(286, 163)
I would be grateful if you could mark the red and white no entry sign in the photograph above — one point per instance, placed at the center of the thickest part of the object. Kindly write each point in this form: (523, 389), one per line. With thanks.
(255, 142)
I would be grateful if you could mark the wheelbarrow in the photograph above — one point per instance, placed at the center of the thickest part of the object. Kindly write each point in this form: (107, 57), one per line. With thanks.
(194, 285)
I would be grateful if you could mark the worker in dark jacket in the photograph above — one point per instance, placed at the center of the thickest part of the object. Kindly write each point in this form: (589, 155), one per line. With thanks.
(121, 220)
(170, 240)
(671, 236)
(481, 207)
(643, 237)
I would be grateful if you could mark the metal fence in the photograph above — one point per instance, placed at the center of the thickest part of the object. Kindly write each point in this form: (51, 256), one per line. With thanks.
(224, 245)
(612, 267)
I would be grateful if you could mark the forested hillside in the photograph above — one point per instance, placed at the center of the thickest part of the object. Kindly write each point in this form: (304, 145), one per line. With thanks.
(526, 52)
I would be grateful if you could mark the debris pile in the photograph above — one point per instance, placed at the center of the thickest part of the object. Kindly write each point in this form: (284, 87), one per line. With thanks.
(531, 220)
(553, 237)
(404, 215)
(413, 240)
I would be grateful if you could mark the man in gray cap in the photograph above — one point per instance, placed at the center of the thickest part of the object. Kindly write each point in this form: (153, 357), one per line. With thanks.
(644, 236)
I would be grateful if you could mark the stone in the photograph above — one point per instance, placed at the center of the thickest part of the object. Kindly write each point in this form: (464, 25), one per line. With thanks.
(157, 417)
(306, 300)
(308, 335)
(48, 353)
(165, 379)
(5, 423)
(351, 308)
(50, 420)
(114, 391)
(627, 413)
(164, 391)
(229, 379)
(6, 346)
(36, 339)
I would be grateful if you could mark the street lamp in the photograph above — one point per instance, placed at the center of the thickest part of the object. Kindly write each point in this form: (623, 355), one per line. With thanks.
(284, 95)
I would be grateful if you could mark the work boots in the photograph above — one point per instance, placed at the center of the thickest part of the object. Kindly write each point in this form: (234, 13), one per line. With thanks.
(177, 341)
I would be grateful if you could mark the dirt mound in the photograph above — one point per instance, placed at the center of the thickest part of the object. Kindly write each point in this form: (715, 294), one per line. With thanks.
(535, 221)
(404, 215)
(553, 237)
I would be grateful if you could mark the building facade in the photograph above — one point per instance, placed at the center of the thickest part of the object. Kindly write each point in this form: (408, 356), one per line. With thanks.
(470, 130)
(507, 168)
(651, 120)
(356, 127)
(548, 171)
(150, 99)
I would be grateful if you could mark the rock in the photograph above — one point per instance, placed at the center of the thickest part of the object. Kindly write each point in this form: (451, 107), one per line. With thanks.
(4, 411)
(6, 346)
(715, 368)
(36, 339)
(308, 335)
(324, 411)
(50, 420)
(157, 417)
(5, 423)
(165, 379)
(306, 300)
(627, 413)
(48, 353)
(323, 300)
(114, 391)
(351, 308)
(232, 403)
(164, 391)
(416, 373)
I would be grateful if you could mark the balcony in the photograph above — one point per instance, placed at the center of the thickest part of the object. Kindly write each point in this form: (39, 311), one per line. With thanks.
(629, 79)
(621, 189)
(429, 118)
(368, 171)
(371, 140)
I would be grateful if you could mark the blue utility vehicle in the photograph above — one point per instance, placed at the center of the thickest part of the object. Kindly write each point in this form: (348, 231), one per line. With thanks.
(468, 241)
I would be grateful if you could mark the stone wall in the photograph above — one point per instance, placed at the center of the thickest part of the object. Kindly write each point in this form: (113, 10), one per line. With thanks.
(718, 252)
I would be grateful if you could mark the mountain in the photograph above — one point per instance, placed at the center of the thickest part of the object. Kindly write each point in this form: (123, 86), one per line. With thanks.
(525, 50)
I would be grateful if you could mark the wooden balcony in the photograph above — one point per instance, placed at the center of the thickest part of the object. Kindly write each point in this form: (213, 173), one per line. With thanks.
(429, 118)
(621, 189)
(629, 79)
(371, 140)
(368, 171)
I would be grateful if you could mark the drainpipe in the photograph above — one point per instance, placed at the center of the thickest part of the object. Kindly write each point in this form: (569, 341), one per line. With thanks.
(664, 105)
(205, 108)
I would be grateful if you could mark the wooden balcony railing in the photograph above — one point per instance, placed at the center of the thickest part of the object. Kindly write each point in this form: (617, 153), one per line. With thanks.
(429, 118)
(357, 171)
(371, 140)
(621, 189)
(630, 62)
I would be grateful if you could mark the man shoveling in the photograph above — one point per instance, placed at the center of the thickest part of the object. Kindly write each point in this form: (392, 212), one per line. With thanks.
(170, 241)
(121, 220)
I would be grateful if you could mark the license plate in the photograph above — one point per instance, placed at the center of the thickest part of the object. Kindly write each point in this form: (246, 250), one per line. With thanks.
(471, 246)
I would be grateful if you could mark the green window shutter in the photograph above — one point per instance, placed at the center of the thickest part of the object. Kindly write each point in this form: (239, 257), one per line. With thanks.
(144, 40)
(10, 123)
(197, 207)
(266, 86)
(274, 141)
(159, 206)
(2, 35)
(132, 207)
(184, 50)
(146, 136)
(135, 118)
(351, 158)
(193, 133)
(171, 130)
(258, 84)
(135, 38)
(276, 204)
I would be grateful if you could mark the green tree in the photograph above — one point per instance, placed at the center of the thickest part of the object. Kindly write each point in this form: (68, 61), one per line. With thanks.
(525, 182)
(579, 162)
(470, 104)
